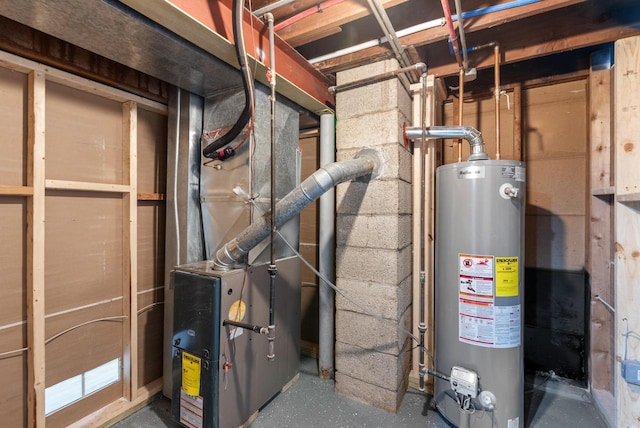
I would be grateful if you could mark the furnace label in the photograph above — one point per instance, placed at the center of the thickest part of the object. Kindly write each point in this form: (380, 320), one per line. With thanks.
(191, 410)
(191, 374)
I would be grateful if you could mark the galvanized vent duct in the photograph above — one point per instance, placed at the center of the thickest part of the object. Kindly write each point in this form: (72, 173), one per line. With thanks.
(366, 162)
(472, 135)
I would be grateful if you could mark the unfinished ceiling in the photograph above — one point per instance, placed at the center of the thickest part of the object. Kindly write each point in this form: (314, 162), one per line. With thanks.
(189, 43)
(339, 34)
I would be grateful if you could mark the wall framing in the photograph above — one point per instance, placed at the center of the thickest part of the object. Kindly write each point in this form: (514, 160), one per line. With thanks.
(128, 191)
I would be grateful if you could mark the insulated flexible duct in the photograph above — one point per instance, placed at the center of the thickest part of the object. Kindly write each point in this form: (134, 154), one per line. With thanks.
(327, 177)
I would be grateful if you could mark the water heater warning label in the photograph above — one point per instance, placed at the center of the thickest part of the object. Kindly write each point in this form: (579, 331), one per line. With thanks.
(506, 276)
(480, 321)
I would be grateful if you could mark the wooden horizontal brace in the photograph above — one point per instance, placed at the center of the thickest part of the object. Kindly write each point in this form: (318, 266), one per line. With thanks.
(84, 186)
(603, 191)
(629, 197)
(16, 191)
(151, 196)
(120, 409)
(208, 25)
(437, 34)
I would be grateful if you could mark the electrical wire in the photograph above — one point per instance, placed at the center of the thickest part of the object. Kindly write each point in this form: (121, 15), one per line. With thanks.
(385, 321)
(63, 332)
(13, 353)
(146, 308)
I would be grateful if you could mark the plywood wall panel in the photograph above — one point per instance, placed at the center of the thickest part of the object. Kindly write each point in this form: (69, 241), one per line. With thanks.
(13, 104)
(150, 290)
(86, 347)
(556, 185)
(84, 248)
(13, 372)
(150, 325)
(12, 260)
(554, 120)
(151, 220)
(555, 242)
(84, 136)
(152, 156)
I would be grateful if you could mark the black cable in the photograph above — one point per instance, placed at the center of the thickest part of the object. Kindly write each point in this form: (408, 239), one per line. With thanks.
(213, 150)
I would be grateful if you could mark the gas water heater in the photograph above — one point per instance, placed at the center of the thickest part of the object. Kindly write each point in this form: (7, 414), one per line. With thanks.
(479, 293)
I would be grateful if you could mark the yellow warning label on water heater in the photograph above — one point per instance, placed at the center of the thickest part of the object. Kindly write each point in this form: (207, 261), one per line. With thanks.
(506, 276)
(191, 374)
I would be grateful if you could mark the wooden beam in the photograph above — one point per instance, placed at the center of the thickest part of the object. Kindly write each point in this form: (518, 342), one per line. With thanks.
(151, 196)
(130, 250)
(313, 27)
(517, 122)
(580, 27)
(600, 228)
(88, 187)
(627, 220)
(433, 35)
(208, 25)
(16, 190)
(35, 250)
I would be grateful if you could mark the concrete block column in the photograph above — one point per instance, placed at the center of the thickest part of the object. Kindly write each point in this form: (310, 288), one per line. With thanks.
(373, 238)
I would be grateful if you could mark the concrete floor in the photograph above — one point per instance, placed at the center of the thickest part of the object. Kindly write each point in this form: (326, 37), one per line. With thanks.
(311, 402)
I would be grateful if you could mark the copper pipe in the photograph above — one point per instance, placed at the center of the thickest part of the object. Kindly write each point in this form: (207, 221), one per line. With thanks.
(460, 105)
(496, 77)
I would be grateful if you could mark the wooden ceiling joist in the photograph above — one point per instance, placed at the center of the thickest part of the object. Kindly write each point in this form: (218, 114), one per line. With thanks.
(433, 35)
(314, 27)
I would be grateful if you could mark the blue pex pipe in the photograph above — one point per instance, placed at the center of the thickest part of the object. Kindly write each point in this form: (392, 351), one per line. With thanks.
(495, 8)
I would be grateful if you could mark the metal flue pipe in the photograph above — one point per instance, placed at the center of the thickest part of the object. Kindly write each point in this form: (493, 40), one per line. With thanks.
(366, 162)
(326, 253)
(472, 135)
